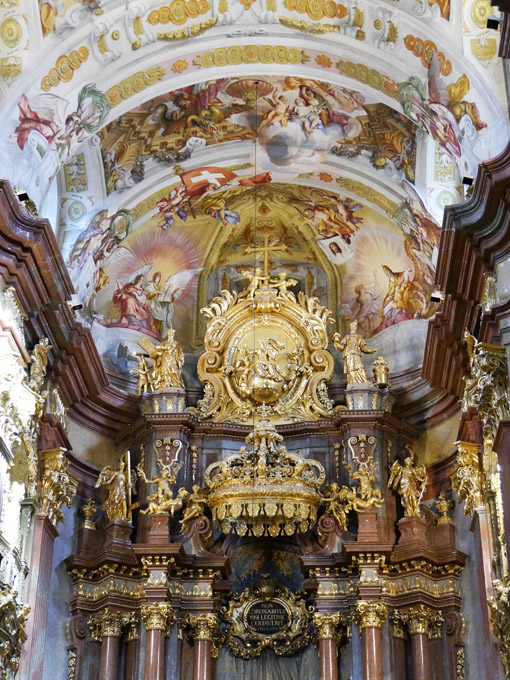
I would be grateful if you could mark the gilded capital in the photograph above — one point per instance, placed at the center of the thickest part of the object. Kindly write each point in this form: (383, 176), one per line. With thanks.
(398, 625)
(326, 624)
(420, 618)
(57, 487)
(370, 614)
(203, 626)
(106, 623)
(157, 616)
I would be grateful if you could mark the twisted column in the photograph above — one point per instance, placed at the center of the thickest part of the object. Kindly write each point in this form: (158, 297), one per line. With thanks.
(158, 618)
(326, 624)
(370, 617)
(204, 630)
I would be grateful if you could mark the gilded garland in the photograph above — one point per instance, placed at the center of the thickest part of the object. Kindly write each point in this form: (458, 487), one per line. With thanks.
(266, 616)
(265, 353)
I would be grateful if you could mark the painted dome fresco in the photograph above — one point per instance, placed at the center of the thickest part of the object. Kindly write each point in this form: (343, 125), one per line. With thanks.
(175, 147)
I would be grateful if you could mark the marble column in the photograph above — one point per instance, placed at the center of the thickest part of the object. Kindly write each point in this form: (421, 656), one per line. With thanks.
(158, 618)
(399, 653)
(326, 624)
(204, 630)
(106, 627)
(370, 616)
(131, 649)
(418, 623)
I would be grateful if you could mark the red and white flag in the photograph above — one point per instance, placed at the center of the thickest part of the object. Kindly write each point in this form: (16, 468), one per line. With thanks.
(198, 181)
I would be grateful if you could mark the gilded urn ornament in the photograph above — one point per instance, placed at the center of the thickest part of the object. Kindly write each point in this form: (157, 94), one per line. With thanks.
(265, 354)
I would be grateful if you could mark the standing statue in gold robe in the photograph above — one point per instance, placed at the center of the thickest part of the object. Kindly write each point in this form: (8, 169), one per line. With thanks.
(409, 482)
(168, 361)
(352, 345)
(116, 505)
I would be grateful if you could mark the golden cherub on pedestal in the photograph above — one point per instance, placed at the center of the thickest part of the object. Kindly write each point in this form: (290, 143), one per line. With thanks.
(352, 345)
(168, 361)
(117, 505)
(409, 482)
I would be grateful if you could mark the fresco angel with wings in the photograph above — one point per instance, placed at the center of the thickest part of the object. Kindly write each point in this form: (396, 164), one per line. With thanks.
(146, 303)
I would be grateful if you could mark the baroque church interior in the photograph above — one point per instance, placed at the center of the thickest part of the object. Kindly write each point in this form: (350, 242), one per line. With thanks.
(254, 331)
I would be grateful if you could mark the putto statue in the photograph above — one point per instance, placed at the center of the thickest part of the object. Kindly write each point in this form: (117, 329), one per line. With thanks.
(352, 345)
(409, 482)
(163, 498)
(117, 504)
(168, 361)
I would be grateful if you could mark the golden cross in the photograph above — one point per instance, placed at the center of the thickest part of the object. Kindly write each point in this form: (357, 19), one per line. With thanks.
(270, 244)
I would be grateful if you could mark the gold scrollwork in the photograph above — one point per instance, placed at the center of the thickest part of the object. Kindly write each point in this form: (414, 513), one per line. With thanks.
(279, 620)
(134, 84)
(64, 68)
(251, 54)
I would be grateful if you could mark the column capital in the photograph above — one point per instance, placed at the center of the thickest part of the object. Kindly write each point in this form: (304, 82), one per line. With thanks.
(106, 623)
(398, 627)
(203, 626)
(157, 616)
(370, 614)
(422, 620)
(326, 624)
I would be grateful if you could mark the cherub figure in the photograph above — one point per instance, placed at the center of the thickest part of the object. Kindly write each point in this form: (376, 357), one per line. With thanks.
(195, 506)
(282, 284)
(364, 474)
(257, 280)
(339, 503)
(409, 482)
(116, 505)
(164, 492)
(278, 114)
(144, 382)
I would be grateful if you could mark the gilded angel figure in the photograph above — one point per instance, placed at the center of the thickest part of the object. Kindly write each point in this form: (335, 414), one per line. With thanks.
(116, 505)
(409, 482)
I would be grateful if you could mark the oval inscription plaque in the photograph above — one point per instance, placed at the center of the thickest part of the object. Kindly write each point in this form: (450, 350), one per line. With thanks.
(267, 617)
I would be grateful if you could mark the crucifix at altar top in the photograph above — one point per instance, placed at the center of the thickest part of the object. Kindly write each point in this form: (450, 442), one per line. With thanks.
(270, 244)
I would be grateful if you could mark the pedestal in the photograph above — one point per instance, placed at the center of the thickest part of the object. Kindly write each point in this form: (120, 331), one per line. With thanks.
(369, 398)
(170, 400)
(159, 529)
(367, 527)
(117, 540)
(413, 537)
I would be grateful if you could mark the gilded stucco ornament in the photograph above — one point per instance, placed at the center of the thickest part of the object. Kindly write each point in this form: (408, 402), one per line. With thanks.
(328, 625)
(409, 481)
(12, 631)
(444, 506)
(264, 490)
(468, 479)
(57, 487)
(499, 607)
(265, 354)
(109, 623)
(266, 616)
(157, 616)
(370, 614)
(39, 363)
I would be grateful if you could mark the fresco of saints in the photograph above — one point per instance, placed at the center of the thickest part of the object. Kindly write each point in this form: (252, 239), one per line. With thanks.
(134, 308)
(404, 300)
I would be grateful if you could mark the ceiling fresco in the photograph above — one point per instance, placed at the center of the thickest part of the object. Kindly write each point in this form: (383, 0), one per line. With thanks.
(176, 147)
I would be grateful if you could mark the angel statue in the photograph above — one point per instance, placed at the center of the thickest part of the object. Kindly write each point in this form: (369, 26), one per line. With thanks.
(168, 360)
(409, 482)
(195, 506)
(163, 496)
(339, 503)
(144, 382)
(352, 345)
(116, 505)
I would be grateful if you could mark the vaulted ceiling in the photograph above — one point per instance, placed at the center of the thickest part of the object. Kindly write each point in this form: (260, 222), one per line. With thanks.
(173, 146)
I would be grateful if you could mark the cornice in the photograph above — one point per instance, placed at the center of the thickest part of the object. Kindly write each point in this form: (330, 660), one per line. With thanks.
(474, 238)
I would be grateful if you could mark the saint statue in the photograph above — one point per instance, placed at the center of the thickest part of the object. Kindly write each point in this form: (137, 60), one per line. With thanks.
(163, 496)
(168, 361)
(116, 505)
(352, 345)
(409, 482)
